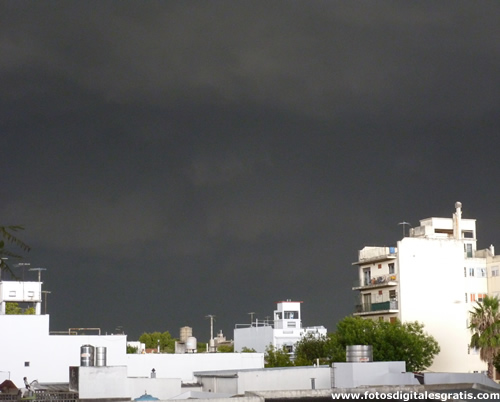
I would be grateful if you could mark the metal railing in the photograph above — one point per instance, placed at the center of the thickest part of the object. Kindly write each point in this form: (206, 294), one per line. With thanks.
(376, 281)
(375, 307)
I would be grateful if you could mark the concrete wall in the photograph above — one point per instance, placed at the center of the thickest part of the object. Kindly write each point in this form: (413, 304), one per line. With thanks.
(283, 378)
(257, 338)
(162, 388)
(351, 375)
(183, 365)
(432, 291)
(102, 382)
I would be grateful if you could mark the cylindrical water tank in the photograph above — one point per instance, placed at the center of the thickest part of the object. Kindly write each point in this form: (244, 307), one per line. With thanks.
(87, 355)
(359, 353)
(100, 356)
(191, 344)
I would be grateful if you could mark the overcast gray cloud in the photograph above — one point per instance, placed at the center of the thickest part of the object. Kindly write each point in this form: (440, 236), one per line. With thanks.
(181, 158)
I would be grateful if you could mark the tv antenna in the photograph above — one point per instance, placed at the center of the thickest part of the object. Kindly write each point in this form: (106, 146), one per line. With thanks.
(251, 317)
(39, 272)
(22, 264)
(403, 224)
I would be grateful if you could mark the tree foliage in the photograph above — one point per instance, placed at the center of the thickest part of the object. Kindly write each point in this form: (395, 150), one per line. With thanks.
(244, 349)
(390, 341)
(7, 236)
(225, 348)
(275, 357)
(166, 342)
(15, 309)
(485, 328)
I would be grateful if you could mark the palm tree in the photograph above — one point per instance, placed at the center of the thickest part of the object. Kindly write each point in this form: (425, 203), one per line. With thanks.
(485, 327)
(6, 232)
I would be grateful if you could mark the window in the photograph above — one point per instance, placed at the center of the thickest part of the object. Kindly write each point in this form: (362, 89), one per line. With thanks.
(468, 234)
(466, 299)
(465, 272)
(481, 272)
(472, 297)
(367, 301)
(291, 315)
(379, 266)
(392, 295)
(494, 271)
(480, 297)
(291, 324)
(26, 364)
(366, 276)
(471, 271)
(392, 320)
(380, 293)
(468, 250)
(391, 268)
(289, 348)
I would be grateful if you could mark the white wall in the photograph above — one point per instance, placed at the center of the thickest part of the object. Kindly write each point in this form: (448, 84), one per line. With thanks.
(162, 388)
(25, 339)
(351, 375)
(257, 338)
(183, 365)
(284, 378)
(432, 291)
(102, 382)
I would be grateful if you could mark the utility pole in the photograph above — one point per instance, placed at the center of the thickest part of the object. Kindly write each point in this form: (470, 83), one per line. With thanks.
(211, 344)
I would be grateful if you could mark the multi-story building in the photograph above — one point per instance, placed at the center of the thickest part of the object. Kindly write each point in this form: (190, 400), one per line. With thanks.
(282, 332)
(434, 276)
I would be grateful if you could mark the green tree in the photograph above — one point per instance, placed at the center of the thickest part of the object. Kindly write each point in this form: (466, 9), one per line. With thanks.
(15, 309)
(390, 341)
(153, 339)
(225, 348)
(131, 349)
(277, 357)
(310, 348)
(485, 328)
(7, 235)
(244, 349)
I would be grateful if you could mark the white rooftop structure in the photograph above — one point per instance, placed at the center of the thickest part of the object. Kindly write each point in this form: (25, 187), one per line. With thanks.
(282, 332)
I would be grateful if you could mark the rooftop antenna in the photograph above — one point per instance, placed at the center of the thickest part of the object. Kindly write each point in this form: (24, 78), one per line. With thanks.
(403, 224)
(39, 272)
(23, 264)
(251, 317)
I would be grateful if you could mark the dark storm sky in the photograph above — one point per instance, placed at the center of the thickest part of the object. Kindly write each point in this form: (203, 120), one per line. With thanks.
(175, 159)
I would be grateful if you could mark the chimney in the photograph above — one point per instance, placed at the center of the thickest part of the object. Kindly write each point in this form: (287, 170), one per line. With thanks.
(457, 221)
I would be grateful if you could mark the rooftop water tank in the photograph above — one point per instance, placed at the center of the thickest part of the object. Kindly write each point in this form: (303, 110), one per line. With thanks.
(191, 344)
(100, 356)
(87, 355)
(359, 353)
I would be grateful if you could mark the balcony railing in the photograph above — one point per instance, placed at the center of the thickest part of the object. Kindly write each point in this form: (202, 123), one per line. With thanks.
(377, 281)
(390, 305)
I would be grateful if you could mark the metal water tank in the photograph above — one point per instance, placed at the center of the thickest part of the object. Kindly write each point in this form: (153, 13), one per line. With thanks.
(100, 356)
(87, 355)
(359, 353)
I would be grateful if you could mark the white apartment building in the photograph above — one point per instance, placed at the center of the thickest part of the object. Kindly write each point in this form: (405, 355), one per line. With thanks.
(284, 331)
(434, 276)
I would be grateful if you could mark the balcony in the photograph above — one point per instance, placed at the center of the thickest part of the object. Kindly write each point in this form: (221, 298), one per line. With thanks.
(390, 306)
(376, 282)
